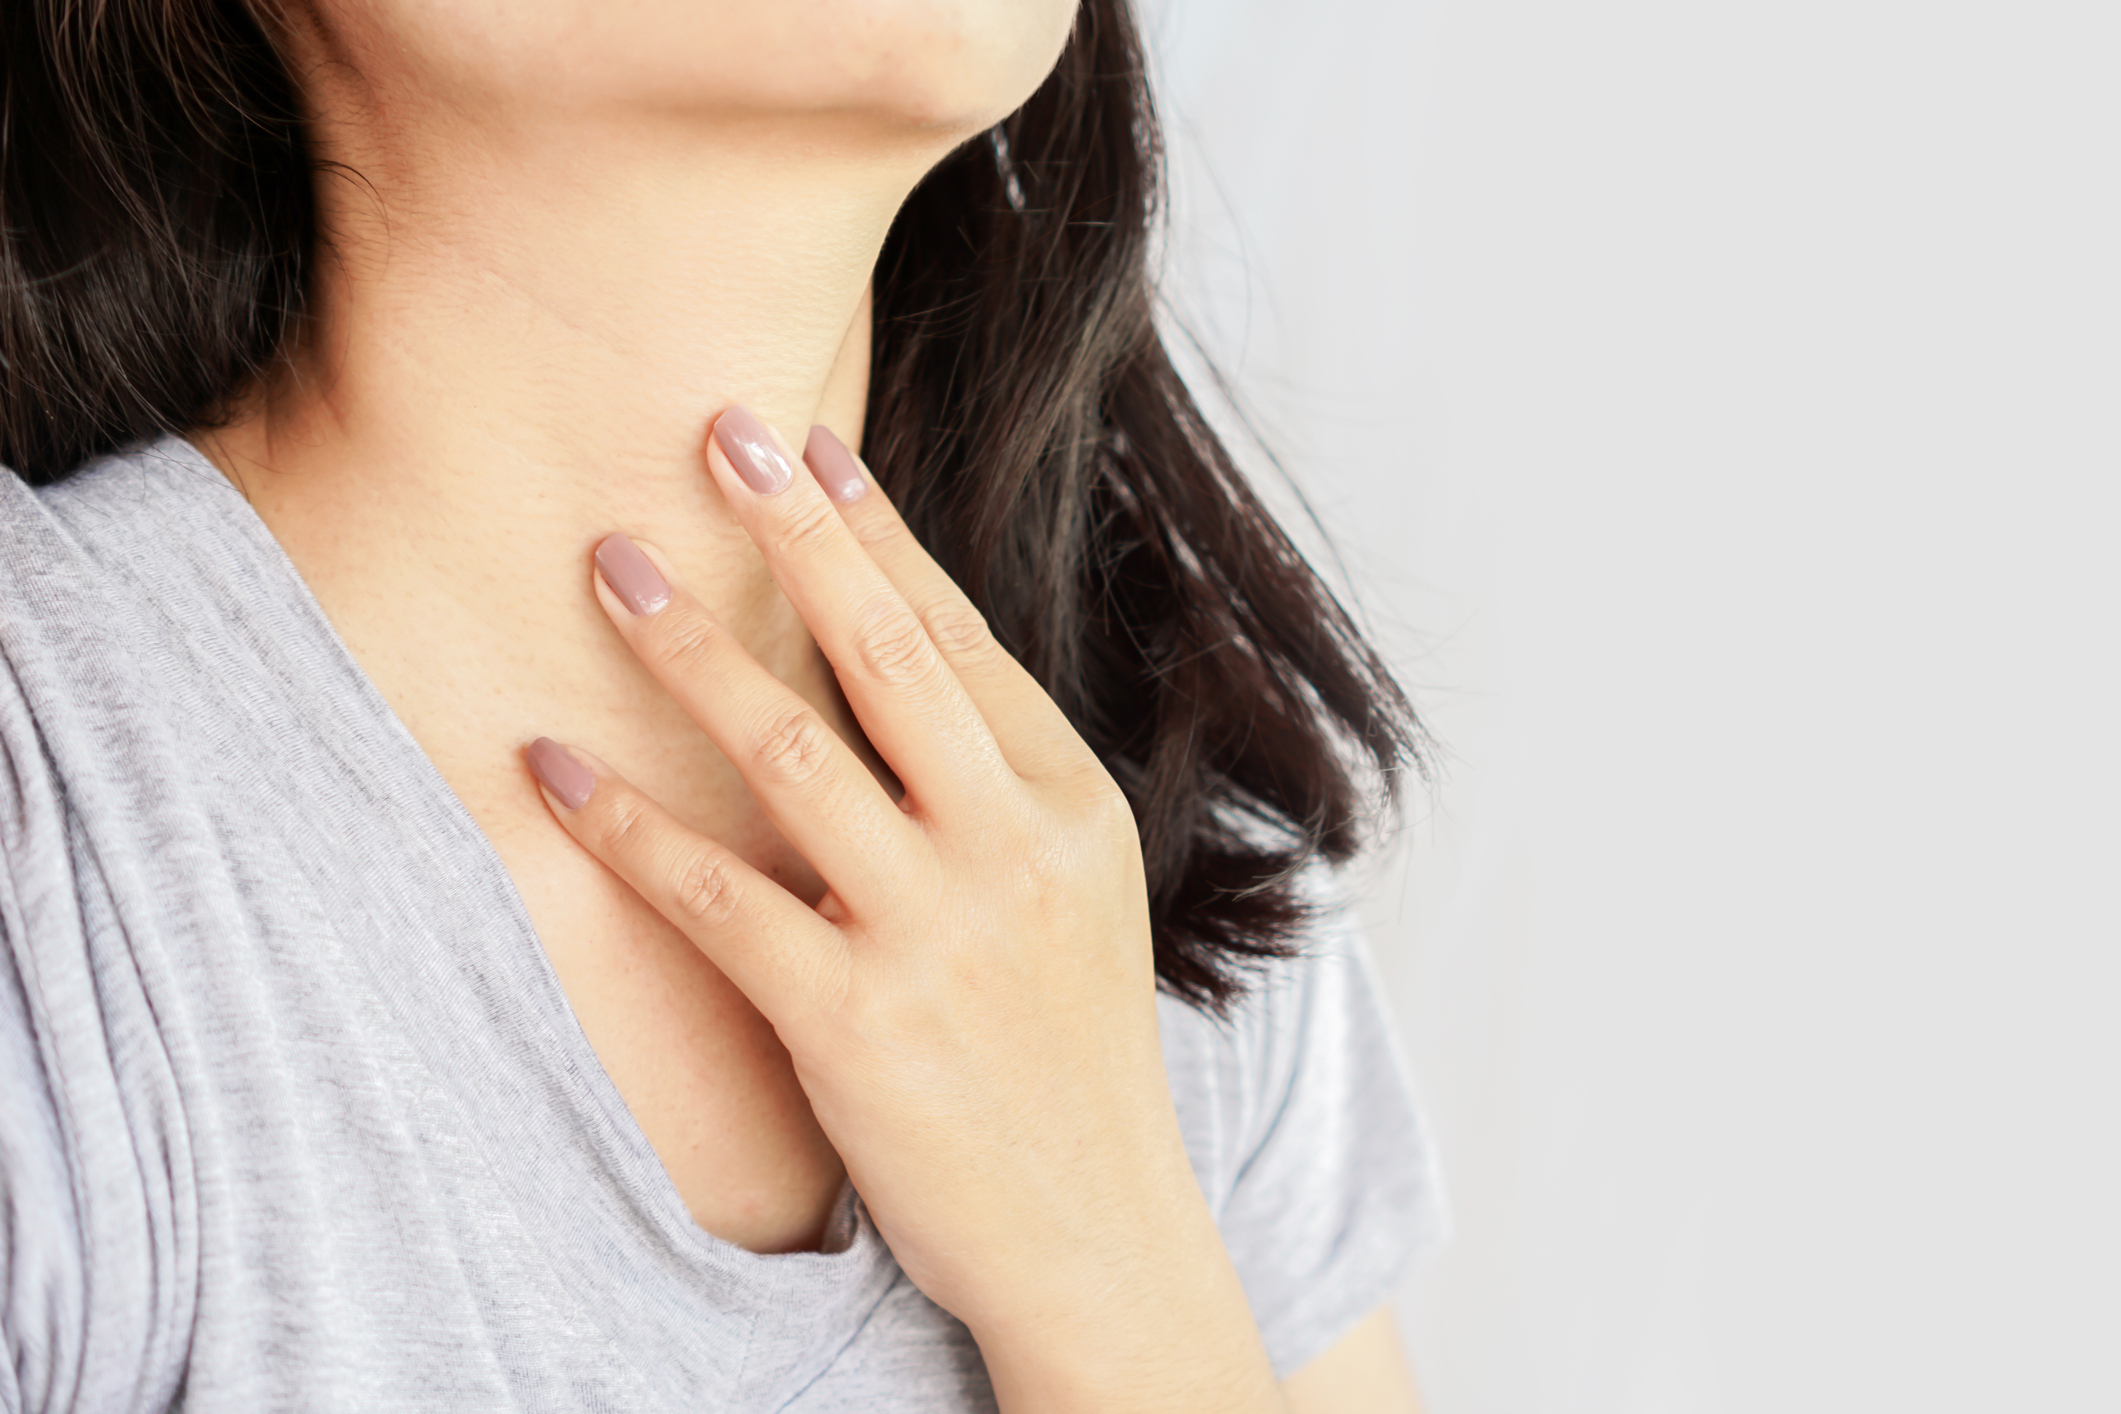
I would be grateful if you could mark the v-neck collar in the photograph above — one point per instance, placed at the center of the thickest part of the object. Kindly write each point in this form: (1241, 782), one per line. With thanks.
(422, 898)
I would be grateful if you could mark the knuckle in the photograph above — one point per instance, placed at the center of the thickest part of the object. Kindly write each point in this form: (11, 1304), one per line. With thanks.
(1114, 816)
(1110, 807)
(1102, 809)
(1102, 796)
(878, 530)
(704, 889)
(809, 524)
(960, 631)
(893, 645)
(628, 826)
(793, 748)
(689, 642)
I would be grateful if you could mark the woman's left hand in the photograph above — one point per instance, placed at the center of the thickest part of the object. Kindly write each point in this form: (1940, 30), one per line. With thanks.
(971, 1007)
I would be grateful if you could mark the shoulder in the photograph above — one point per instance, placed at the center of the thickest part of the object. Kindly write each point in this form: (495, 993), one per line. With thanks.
(126, 509)
(1312, 1027)
(97, 777)
(110, 581)
(74, 665)
(48, 1018)
(73, 554)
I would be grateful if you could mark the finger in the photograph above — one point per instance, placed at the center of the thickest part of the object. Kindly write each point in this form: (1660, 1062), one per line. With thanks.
(777, 951)
(1035, 735)
(810, 783)
(917, 714)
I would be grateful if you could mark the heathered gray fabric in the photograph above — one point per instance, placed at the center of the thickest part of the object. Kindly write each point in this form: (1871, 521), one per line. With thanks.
(294, 1114)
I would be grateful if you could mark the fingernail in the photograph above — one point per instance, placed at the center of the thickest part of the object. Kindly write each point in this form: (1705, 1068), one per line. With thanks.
(564, 776)
(632, 575)
(833, 465)
(749, 447)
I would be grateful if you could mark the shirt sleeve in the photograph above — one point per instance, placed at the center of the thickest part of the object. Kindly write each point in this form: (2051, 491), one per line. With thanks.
(96, 1269)
(1323, 1176)
(43, 1285)
(42, 1292)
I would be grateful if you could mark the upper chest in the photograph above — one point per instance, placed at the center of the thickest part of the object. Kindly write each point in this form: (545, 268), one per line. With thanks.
(699, 1069)
(475, 677)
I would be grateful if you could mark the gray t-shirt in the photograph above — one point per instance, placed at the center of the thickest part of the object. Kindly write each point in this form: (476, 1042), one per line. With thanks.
(293, 1111)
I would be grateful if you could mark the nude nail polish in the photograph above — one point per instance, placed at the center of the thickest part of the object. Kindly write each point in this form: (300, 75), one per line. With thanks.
(564, 776)
(751, 450)
(833, 465)
(632, 575)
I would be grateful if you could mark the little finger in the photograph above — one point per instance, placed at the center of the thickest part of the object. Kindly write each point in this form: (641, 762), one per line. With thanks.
(916, 712)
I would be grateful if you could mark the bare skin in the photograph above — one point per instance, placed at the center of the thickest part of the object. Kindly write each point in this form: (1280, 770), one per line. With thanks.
(1364, 1374)
(566, 252)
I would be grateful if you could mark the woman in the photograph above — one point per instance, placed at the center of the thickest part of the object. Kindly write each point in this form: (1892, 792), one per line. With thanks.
(403, 383)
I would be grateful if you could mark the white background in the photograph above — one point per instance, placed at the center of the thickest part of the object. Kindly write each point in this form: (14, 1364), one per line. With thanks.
(1718, 410)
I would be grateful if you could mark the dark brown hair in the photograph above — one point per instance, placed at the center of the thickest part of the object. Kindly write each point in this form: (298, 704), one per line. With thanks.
(156, 233)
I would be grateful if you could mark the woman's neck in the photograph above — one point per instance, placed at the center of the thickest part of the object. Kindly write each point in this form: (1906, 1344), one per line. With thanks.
(522, 334)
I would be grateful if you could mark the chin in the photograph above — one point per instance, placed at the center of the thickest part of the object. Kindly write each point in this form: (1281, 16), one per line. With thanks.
(951, 66)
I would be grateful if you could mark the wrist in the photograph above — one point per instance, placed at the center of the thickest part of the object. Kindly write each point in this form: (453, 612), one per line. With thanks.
(1163, 1326)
